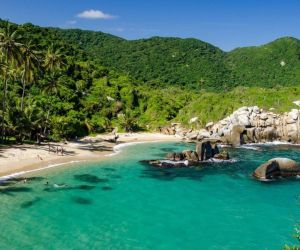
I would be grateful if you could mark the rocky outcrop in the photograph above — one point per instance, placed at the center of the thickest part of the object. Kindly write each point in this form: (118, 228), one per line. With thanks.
(276, 168)
(205, 150)
(245, 125)
(252, 124)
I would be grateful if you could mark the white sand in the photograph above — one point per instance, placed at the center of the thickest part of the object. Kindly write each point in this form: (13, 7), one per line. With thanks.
(22, 158)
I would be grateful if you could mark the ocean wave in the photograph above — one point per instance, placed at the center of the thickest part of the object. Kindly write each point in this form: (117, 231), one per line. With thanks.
(272, 143)
(247, 146)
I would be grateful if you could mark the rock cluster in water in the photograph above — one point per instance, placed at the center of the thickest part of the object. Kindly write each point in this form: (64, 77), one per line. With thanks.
(205, 150)
(246, 125)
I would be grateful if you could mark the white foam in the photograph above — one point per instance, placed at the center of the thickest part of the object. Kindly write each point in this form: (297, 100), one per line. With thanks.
(17, 174)
(221, 161)
(246, 146)
(272, 143)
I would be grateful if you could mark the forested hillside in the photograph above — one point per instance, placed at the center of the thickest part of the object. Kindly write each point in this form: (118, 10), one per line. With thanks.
(59, 83)
(193, 63)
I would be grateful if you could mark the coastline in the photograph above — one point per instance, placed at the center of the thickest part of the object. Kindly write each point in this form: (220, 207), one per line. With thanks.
(18, 160)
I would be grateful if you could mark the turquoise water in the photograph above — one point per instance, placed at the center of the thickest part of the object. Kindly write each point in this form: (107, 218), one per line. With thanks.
(122, 204)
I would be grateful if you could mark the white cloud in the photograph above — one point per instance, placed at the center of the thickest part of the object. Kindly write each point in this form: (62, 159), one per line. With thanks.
(95, 14)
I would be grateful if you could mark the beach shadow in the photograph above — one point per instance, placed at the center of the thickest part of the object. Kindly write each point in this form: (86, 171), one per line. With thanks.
(90, 178)
(81, 200)
(30, 203)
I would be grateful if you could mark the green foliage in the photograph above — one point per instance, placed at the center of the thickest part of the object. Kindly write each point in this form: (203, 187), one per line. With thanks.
(70, 83)
(212, 106)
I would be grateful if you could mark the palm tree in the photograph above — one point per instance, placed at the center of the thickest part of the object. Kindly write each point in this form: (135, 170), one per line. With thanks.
(11, 55)
(30, 64)
(53, 60)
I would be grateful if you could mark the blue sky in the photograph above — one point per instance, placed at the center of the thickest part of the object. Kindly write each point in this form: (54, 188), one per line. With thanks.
(225, 23)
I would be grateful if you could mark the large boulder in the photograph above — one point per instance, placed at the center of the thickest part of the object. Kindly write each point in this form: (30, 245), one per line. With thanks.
(244, 120)
(204, 150)
(236, 133)
(276, 168)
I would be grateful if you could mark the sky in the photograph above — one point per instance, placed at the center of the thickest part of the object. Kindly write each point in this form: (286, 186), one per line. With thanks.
(224, 23)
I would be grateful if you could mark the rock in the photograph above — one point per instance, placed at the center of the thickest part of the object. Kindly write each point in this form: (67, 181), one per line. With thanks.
(297, 103)
(269, 134)
(293, 114)
(222, 156)
(190, 155)
(179, 157)
(251, 124)
(203, 134)
(215, 149)
(256, 110)
(192, 135)
(276, 168)
(210, 124)
(244, 120)
(263, 116)
(171, 156)
(236, 132)
(204, 150)
(193, 120)
(250, 132)
(194, 156)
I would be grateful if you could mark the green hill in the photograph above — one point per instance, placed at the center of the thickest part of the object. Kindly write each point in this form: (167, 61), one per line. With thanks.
(68, 83)
(185, 62)
(276, 63)
(194, 63)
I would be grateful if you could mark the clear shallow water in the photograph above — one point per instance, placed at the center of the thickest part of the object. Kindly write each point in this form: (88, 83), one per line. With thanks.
(122, 204)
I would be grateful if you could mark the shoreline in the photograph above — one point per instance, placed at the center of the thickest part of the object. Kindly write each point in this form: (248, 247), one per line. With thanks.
(19, 160)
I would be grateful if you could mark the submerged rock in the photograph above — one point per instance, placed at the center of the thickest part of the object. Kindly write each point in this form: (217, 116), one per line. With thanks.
(276, 168)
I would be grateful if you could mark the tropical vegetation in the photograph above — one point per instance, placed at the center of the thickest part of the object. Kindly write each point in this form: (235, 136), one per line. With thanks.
(60, 84)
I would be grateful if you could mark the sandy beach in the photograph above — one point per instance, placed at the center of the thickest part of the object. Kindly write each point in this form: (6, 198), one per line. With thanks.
(23, 158)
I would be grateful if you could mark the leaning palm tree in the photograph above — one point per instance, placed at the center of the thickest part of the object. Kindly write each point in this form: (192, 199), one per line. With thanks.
(10, 50)
(30, 64)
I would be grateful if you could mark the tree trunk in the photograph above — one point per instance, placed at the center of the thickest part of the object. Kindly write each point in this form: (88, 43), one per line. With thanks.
(23, 94)
(4, 106)
(47, 117)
